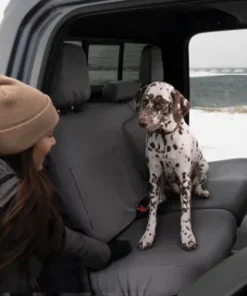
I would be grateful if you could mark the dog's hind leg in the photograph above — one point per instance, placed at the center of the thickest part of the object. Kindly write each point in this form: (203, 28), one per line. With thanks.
(200, 173)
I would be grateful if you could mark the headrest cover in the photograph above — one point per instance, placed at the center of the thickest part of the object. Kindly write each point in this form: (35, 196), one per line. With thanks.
(120, 91)
(151, 66)
(70, 85)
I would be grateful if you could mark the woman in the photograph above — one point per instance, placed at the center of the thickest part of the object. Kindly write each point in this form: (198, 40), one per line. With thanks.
(32, 233)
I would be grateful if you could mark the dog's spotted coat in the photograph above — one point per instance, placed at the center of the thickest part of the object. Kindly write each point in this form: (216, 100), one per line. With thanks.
(172, 155)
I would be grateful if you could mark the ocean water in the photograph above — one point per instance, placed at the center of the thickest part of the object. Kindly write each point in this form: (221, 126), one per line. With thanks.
(218, 91)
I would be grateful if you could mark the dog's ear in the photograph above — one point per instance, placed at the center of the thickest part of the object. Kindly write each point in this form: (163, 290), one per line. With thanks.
(181, 105)
(138, 96)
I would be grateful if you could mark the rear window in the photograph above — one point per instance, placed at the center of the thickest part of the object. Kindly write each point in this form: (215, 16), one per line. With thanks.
(113, 62)
(103, 63)
(131, 61)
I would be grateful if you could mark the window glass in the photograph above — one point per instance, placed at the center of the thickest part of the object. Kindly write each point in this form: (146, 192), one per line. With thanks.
(218, 93)
(103, 63)
(132, 58)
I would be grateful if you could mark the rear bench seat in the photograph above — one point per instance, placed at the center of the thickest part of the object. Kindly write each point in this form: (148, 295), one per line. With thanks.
(100, 183)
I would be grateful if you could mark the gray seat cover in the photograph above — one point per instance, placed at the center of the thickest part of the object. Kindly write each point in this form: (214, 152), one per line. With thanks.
(99, 181)
(165, 269)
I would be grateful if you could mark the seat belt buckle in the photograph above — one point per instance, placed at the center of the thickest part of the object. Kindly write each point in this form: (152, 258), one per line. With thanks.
(142, 208)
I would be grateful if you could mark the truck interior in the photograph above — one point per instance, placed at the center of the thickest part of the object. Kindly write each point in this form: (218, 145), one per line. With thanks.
(99, 160)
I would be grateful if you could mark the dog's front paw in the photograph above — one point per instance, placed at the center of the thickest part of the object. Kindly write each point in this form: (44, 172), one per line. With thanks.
(188, 241)
(205, 194)
(201, 192)
(146, 241)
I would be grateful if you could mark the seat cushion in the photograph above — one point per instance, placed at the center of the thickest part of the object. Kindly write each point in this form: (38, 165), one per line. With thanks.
(165, 268)
(227, 183)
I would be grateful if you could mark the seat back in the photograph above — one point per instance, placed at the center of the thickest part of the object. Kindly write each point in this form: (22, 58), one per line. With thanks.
(95, 171)
(151, 69)
(151, 66)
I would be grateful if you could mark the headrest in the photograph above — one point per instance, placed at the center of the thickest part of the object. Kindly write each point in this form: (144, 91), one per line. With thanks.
(151, 65)
(120, 91)
(70, 85)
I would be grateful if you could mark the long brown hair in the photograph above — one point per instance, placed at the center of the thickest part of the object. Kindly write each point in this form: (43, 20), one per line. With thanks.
(33, 214)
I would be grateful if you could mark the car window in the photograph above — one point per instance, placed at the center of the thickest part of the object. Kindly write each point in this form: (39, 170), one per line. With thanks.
(131, 61)
(105, 62)
(218, 93)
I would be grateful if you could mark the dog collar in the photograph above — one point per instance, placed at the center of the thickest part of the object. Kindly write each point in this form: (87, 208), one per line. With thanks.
(168, 133)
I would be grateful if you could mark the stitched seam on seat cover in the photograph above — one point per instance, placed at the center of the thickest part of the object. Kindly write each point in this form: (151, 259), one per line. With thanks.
(127, 178)
(81, 198)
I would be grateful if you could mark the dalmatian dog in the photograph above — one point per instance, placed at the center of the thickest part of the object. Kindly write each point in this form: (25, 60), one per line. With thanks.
(173, 156)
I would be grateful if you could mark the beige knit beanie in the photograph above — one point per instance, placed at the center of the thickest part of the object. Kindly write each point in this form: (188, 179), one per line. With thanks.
(26, 115)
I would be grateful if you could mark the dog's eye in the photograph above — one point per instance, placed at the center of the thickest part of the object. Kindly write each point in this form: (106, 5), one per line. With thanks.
(159, 106)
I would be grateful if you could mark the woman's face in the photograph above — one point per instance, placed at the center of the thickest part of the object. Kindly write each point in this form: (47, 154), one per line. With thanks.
(41, 149)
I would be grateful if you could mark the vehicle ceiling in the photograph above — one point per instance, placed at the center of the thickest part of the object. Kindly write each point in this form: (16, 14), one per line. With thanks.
(155, 23)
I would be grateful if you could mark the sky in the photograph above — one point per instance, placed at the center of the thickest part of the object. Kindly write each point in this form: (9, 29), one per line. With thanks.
(3, 4)
(217, 49)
